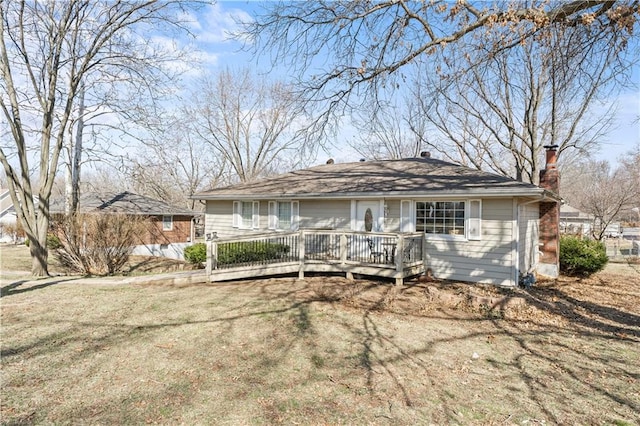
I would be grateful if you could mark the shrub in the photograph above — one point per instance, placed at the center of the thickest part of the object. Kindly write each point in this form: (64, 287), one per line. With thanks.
(97, 243)
(250, 251)
(196, 254)
(581, 257)
(53, 242)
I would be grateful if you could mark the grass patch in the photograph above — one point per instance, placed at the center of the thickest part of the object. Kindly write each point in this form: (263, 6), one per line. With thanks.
(273, 352)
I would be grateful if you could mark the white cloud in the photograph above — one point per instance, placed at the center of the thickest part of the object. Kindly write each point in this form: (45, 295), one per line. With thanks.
(217, 24)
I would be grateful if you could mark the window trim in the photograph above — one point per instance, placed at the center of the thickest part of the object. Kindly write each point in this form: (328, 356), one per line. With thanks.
(468, 220)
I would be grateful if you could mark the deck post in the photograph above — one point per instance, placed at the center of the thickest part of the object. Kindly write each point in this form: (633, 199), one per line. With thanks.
(400, 260)
(301, 254)
(343, 255)
(209, 265)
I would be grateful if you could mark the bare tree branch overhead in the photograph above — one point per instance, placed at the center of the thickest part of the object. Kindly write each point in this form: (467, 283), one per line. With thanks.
(346, 52)
(498, 114)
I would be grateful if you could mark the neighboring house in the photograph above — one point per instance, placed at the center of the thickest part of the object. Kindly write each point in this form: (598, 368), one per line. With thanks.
(9, 230)
(574, 221)
(170, 228)
(8, 220)
(475, 226)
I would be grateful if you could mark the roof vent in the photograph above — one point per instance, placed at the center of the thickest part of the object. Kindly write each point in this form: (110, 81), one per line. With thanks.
(362, 160)
(425, 154)
(330, 161)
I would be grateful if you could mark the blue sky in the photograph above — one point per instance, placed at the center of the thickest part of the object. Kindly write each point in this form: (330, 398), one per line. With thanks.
(213, 25)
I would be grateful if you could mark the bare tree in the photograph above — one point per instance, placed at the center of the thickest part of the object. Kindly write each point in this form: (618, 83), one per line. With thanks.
(499, 114)
(390, 132)
(175, 164)
(604, 192)
(47, 50)
(252, 125)
(366, 47)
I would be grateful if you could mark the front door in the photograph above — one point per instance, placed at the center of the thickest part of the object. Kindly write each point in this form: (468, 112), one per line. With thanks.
(368, 216)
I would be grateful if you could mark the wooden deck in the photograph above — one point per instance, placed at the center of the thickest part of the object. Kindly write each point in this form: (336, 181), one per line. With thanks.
(388, 255)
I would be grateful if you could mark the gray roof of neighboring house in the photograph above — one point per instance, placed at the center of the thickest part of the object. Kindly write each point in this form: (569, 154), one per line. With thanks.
(568, 212)
(123, 202)
(388, 178)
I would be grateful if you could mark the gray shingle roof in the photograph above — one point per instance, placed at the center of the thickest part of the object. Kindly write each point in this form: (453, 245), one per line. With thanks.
(389, 178)
(123, 202)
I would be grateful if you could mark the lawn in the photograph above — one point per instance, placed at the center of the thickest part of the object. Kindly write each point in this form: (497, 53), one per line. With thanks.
(321, 351)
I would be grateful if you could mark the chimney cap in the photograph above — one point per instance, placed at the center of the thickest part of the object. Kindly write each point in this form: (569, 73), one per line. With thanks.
(551, 147)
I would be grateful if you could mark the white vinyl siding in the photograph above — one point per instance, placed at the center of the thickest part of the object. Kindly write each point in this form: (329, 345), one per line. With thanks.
(488, 260)
(528, 223)
(325, 214)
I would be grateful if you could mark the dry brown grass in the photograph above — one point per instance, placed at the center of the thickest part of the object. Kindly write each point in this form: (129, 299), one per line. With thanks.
(321, 351)
(15, 258)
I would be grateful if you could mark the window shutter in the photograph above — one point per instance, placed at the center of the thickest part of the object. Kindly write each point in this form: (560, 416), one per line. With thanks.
(474, 222)
(256, 215)
(273, 215)
(406, 216)
(295, 215)
(236, 214)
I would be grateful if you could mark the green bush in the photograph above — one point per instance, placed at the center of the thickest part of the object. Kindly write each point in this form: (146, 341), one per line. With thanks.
(581, 257)
(250, 251)
(196, 254)
(53, 242)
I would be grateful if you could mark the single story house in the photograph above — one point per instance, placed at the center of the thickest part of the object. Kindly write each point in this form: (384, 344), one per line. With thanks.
(169, 229)
(476, 226)
(575, 222)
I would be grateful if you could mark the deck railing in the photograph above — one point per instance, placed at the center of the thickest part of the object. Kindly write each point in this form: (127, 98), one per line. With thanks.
(379, 254)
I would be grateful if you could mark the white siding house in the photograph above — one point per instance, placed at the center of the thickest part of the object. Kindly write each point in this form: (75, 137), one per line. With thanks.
(477, 226)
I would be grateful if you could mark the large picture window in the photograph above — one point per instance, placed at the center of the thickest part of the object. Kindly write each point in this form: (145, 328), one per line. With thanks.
(440, 217)
(454, 218)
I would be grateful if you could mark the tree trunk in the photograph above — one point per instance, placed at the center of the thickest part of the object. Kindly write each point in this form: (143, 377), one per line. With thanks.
(39, 256)
(77, 155)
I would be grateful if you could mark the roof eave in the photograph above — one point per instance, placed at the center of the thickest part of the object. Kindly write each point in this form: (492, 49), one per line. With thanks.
(442, 194)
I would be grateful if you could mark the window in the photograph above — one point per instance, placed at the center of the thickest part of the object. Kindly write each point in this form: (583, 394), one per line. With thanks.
(440, 217)
(167, 223)
(246, 214)
(283, 215)
(463, 218)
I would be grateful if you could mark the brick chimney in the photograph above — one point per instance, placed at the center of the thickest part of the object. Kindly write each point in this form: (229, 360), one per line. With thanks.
(549, 235)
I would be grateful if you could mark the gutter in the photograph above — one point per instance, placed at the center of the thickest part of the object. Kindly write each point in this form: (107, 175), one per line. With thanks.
(441, 194)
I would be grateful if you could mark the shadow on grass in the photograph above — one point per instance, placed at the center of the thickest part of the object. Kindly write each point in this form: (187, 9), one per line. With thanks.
(380, 355)
(17, 286)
